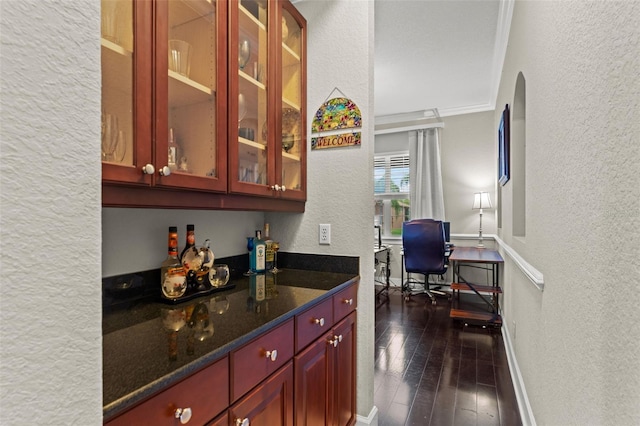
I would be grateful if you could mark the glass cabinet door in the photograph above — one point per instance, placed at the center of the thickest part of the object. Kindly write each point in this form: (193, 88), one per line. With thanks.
(190, 124)
(293, 132)
(248, 120)
(125, 136)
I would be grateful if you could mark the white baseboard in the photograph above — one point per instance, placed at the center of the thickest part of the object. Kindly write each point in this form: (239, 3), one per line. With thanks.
(370, 420)
(526, 413)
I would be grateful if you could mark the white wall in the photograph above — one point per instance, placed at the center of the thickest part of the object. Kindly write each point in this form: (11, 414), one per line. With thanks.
(577, 343)
(50, 296)
(340, 180)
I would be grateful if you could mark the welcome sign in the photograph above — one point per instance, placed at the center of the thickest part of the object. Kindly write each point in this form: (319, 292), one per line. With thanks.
(336, 141)
(329, 123)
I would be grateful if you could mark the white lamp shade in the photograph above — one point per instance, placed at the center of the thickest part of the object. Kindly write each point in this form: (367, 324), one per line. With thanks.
(481, 200)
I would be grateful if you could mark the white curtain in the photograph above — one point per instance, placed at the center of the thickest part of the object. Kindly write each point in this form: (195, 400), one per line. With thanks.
(425, 176)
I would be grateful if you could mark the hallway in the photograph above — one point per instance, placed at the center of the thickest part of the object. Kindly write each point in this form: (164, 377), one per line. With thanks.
(432, 371)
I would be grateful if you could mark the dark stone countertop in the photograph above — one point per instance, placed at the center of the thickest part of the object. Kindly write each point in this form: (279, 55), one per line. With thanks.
(136, 340)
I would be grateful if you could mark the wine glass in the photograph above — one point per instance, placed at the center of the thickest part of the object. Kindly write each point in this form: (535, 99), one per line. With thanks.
(275, 246)
(121, 147)
(242, 107)
(109, 136)
(250, 248)
(244, 52)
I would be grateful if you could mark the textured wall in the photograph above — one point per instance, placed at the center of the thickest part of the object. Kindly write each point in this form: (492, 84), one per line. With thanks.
(50, 346)
(577, 343)
(339, 180)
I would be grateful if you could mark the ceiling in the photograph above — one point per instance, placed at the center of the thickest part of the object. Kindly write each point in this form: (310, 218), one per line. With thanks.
(438, 54)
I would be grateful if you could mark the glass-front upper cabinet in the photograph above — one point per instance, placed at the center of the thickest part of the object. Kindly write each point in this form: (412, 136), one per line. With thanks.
(266, 93)
(190, 142)
(292, 159)
(250, 88)
(126, 92)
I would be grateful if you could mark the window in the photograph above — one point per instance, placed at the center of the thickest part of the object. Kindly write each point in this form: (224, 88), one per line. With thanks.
(391, 192)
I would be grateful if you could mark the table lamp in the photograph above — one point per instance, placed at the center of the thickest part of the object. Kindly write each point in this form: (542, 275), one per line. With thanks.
(481, 201)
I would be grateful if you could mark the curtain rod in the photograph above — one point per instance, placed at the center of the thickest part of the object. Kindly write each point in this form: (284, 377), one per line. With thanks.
(407, 128)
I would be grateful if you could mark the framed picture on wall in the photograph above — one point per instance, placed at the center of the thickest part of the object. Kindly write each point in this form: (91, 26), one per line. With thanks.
(503, 147)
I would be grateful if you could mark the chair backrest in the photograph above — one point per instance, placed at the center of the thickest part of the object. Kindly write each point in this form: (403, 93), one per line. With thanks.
(423, 243)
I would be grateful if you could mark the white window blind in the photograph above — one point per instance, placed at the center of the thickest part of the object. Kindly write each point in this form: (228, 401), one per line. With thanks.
(391, 176)
(391, 193)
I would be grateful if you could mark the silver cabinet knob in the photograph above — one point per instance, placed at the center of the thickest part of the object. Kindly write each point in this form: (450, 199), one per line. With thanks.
(275, 187)
(243, 422)
(348, 302)
(272, 355)
(184, 414)
(336, 339)
(319, 321)
(148, 169)
(283, 188)
(165, 171)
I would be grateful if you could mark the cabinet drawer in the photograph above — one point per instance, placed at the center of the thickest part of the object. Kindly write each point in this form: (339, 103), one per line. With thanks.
(313, 322)
(205, 393)
(259, 358)
(345, 302)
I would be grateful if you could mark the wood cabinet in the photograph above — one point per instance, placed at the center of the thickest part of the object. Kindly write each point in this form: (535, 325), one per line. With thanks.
(200, 397)
(280, 377)
(259, 358)
(325, 374)
(270, 403)
(194, 127)
(267, 100)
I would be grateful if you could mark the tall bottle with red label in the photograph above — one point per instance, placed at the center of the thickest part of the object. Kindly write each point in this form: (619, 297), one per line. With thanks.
(172, 273)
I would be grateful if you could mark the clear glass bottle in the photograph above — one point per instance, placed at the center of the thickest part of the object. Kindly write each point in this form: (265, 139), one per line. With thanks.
(258, 254)
(269, 249)
(173, 276)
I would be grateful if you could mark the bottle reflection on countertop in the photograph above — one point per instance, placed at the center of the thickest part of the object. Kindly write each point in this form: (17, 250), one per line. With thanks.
(197, 318)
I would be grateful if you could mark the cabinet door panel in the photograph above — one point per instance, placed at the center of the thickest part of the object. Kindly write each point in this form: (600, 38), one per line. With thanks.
(291, 161)
(345, 302)
(344, 387)
(311, 323)
(250, 96)
(222, 420)
(126, 57)
(205, 393)
(270, 403)
(190, 123)
(254, 362)
(312, 388)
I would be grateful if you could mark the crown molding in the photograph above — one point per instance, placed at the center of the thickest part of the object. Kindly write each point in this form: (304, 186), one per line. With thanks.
(505, 14)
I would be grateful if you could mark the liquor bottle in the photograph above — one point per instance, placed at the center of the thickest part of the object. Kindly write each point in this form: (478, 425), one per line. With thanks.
(191, 241)
(258, 254)
(172, 159)
(269, 249)
(173, 276)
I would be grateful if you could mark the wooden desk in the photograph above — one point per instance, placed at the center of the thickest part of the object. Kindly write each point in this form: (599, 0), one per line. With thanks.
(489, 293)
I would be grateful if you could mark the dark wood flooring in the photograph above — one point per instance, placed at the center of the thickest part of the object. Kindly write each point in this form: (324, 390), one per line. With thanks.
(430, 370)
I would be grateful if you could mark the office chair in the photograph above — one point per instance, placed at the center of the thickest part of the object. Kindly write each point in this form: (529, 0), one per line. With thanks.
(423, 243)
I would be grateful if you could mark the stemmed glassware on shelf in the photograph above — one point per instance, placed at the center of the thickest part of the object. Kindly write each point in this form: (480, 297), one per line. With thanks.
(275, 246)
(244, 53)
(249, 248)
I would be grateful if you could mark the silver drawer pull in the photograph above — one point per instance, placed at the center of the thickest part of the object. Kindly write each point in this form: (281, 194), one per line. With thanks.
(319, 321)
(272, 355)
(348, 302)
(184, 414)
(243, 422)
